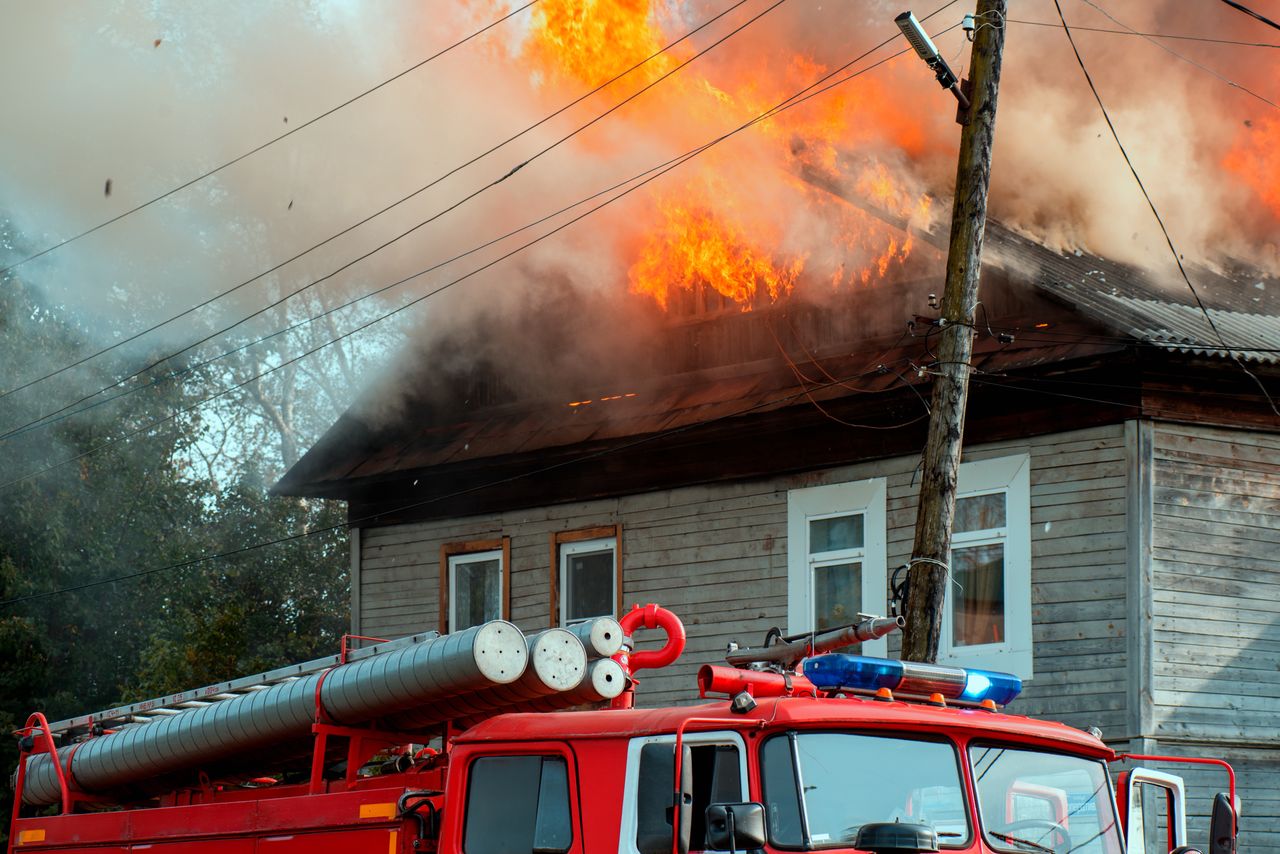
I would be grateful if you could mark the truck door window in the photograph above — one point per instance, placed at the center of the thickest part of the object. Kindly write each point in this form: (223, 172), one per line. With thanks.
(1043, 803)
(716, 777)
(517, 804)
(821, 787)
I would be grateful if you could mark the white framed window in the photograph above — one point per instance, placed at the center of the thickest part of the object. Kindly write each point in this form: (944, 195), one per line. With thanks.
(588, 575)
(987, 618)
(475, 583)
(836, 557)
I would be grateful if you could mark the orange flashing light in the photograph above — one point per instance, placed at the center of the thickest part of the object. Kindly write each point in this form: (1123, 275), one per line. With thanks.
(988, 704)
(884, 695)
(936, 699)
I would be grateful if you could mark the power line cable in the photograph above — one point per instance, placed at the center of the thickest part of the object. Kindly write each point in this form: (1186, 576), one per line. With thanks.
(347, 230)
(1156, 213)
(372, 517)
(1079, 28)
(1206, 69)
(1252, 14)
(803, 95)
(63, 413)
(269, 142)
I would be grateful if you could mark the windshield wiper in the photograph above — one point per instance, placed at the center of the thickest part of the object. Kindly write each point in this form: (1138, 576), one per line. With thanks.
(1018, 840)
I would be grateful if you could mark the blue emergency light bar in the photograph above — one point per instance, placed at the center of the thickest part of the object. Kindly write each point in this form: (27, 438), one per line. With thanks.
(839, 670)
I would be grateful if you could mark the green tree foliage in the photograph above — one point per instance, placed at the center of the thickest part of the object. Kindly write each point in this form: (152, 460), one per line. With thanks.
(110, 505)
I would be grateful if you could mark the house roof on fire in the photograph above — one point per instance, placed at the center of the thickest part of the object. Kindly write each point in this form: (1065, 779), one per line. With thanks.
(1044, 311)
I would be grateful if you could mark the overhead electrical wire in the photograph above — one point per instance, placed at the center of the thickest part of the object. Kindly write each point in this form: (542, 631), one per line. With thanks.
(350, 228)
(1240, 7)
(1127, 32)
(1206, 69)
(279, 301)
(1177, 257)
(803, 95)
(372, 517)
(269, 142)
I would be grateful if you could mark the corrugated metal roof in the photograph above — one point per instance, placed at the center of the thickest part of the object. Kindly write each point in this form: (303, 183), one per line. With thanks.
(1150, 308)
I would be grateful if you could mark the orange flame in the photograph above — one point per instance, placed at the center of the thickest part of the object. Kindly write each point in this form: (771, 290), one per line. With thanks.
(700, 249)
(694, 248)
(1255, 159)
(594, 40)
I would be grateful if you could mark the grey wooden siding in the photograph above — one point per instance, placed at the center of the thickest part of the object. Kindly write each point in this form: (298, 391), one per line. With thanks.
(1216, 596)
(716, 555)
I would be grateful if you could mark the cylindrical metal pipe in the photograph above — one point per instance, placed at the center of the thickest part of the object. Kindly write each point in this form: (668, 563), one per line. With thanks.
(719, 679)
(789, 651)
(557, 663)
(480, 657)
(605, 680)
(602, 637)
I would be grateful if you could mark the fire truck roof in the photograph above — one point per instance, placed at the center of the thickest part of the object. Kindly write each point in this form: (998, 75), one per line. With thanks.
(788, 712)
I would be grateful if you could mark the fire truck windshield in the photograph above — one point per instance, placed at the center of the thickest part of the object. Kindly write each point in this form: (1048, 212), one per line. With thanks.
(1029, 801)
(821, 787)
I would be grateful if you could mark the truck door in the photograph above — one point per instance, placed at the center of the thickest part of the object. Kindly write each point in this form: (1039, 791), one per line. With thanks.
(515, 802)
(716, 771)
(1153, 810)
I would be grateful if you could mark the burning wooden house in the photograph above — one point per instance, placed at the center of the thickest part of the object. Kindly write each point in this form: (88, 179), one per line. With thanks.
(757, 468)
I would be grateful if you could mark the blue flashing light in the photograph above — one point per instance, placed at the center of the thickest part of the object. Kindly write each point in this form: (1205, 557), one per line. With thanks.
(1000, 688)
(862, 673)
(857, 672)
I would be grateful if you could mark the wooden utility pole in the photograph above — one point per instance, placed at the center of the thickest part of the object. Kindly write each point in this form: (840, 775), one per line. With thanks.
(929, 573)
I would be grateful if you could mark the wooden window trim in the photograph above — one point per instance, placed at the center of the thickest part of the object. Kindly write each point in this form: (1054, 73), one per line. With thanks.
(449, 550)
(599, 532)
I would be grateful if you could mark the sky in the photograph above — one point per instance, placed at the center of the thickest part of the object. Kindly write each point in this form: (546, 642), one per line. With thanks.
(108, 105)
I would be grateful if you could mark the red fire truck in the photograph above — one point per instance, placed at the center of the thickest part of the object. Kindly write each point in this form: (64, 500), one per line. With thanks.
(461, 743)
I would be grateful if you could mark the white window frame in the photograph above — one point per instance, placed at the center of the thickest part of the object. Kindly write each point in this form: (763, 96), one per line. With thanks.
(573, 547)
(475, 557)
(1011, 476)
(866, 497)
(631, 782)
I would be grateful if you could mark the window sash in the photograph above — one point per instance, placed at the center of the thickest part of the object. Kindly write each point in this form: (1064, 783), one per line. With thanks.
(865, 499)
(567, 588)
(1009, 476)
(457, 560)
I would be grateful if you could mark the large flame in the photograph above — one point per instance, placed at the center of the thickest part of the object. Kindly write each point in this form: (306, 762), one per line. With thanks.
(749, 239)
(1255, 160)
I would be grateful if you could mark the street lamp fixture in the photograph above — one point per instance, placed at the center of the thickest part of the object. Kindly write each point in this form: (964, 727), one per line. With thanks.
(928, 51)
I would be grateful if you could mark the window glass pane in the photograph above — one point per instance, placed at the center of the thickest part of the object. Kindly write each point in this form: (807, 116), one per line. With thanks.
(500, 815)
(717, 779)
(915, 781)
(979, 512)
(978, 595)
(837, 595)
(477, 592)
(1032, 802)
(554, 829)
(588, 587)
(781, 796)
(836, 533)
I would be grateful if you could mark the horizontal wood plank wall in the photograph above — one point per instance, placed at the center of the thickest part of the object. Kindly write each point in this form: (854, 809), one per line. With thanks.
(716, 555)
(1216, 560)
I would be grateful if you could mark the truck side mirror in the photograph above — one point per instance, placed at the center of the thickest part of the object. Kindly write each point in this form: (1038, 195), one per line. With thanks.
(735, 827)
(1222, 826)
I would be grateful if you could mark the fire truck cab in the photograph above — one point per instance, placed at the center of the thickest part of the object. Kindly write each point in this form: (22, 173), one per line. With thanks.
(792, 774)
(804, 751)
